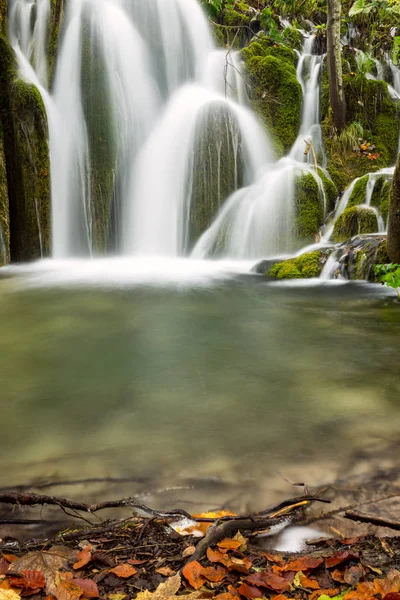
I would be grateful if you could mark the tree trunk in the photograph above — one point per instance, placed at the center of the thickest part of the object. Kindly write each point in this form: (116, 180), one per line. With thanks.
(393, 239)
(336, 92)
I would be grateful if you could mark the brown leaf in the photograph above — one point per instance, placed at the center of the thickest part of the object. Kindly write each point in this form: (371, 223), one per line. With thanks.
(392, 596)
(133, 561)
(249, 591)
(49, 562)
(353, 575)
(306, 582)
(10, 557)
(233, 591)
(304, 563)
(337, 575)
(88, 587)
(30, 580)
(124, 571)
(214, 574)
(188, 551)
(166, 571)
(325, 592)
(193, 572)
(228, 544)
(225, 596)
(339, 558)
(3, 566)
(84, 557)
(67, 590)
(274, 558)
(269, 580)
(214, 555)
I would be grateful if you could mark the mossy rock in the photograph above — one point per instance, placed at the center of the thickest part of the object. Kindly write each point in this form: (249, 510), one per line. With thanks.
(293, 37)
(359, 191)
(305, 266)
(217, 165)
(355, 221)
(309, 209)
(385, 199)
(380, 195)
(3, 17)
(4, 209)
(236, 19)
(275, 92)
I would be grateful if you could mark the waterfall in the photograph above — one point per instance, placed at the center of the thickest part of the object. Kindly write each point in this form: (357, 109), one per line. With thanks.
(308, 73)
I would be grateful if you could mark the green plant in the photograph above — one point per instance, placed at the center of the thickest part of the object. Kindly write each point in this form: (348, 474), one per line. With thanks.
(389, 275)
(269, 24)
(349, 139)
(214, 7)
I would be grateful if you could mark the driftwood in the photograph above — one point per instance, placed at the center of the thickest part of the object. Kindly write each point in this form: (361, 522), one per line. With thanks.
(373, 519)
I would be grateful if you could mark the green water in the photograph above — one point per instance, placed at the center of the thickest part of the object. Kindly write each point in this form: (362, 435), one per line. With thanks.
(228, 381)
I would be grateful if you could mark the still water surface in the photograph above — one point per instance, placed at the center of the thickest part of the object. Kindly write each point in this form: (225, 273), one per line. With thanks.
(181, 371)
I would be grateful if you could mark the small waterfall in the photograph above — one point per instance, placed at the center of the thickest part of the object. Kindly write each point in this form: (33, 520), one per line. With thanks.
(308, 73)
(257, 221)
(160, 226)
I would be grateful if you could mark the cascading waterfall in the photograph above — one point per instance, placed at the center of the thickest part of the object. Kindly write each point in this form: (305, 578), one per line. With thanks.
(308, 73)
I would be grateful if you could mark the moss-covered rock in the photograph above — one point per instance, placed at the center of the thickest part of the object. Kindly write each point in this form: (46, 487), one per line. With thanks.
(380, 195)
(304, 266)
(25, 134)
(359, 191)
(358, 256)
(56, 16)
(3, 17)
(4, 210)
(384, 200)
(275, 92)
(355, 221)
(217, 166)
(309, 209)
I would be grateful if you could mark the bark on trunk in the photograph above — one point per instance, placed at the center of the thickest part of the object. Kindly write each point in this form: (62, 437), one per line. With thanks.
(393, 239)
(334, 49)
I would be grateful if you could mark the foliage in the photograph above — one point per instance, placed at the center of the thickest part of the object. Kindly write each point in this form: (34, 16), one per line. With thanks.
(389, 275)
(348, 139)
(374, 7)
(214, 7)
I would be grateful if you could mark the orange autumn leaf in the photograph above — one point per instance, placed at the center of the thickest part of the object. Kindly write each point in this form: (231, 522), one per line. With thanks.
(3, 566)
(215, 555)
(274, 558)
(269, 580)
(209, 515)
(214, 574)
(193, 572)
(304, 563)
(67, 590)
(337, 575)
(30, 580)
(310, 584)
(339, 558)
(249, 591)
(88, 587)
(166, 571)
(281, 597)
(228, 544)
(124, 571)
(233, 591)
(10, 557)
(225, 596)
(84, 557)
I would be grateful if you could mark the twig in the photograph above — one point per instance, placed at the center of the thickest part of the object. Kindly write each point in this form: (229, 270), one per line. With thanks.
(373, 519)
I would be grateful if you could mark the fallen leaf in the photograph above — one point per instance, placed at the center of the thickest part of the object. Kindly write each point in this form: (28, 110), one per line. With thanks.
(193, 572)
(303, 581)
(67, 590)
(228, 544)
(249, 591)
(340, 558)
(304, 563)
(88, 587)
(117, 596)
(225, 596)
(233, 591)
(165, 590)
(9, 595)
(214, 555)
(269, 580)
(392, 596)
(3, 566)
(214, 574)
(330, 592)
(188, 551)
(84, 557)
(10, 557)
(30, 580)
(133, 561)
(124, 571)
(49, 562)
(166, 571)
(353, 575)
(274, 558)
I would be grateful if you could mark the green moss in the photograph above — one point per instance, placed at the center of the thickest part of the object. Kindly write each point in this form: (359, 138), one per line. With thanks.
(217, 168)
(382, 257)
(380, 195)
(359, 191)
(293, 37)
(285, 270)
(354, 221)
(4, 209)
(3, 17)
(275, 92)
(308, 208)
(305, 266)
(386, 136)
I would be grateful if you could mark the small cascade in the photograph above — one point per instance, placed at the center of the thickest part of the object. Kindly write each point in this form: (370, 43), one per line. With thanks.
(257, 221)
(308, 74)
(29, 27)
(161, 226)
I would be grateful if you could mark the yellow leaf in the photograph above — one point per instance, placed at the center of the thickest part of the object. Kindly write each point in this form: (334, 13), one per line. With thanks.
(9, 595)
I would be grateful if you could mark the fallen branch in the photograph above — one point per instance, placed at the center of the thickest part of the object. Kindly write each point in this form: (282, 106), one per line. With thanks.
(373, 519)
